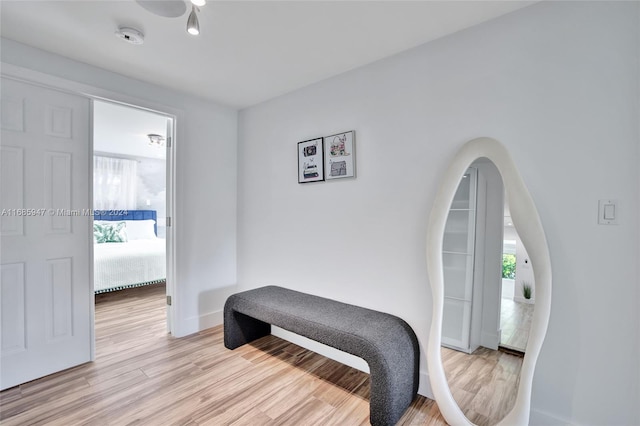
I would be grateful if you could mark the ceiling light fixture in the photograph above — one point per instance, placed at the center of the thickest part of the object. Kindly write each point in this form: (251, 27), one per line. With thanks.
(156, 140)
(193, 26)
(167, 9)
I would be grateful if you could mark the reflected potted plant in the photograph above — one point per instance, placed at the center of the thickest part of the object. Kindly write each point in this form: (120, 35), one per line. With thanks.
(526, 290)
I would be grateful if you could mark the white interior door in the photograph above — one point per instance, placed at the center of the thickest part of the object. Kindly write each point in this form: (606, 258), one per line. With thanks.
(45, 285)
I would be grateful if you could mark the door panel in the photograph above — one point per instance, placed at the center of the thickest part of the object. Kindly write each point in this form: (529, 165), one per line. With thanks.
(12, 171)
(13, 308)
(45, 292)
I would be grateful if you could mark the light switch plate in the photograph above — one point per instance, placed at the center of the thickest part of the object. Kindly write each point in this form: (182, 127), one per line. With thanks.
(608, 212)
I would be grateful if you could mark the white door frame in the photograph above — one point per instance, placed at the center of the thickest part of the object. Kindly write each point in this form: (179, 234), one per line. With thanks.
(170, 181)
(92, 92)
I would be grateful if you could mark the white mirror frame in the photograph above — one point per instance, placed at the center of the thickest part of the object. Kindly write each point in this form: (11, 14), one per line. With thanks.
(527, 223)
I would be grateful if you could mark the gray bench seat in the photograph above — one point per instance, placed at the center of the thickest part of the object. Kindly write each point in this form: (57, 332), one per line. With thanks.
(385, 342)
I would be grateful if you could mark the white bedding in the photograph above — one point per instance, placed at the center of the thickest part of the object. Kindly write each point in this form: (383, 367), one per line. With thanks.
(130, 264)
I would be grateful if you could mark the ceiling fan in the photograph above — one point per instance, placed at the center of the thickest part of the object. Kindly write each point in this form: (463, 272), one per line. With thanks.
(175, 9)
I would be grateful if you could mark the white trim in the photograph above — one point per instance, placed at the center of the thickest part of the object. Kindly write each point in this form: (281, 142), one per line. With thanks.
(170, 231)
(528, 225)
(196, 324)
(92, 308)
(322, 349)
(48, 81)
(424, 388)
(541, 418)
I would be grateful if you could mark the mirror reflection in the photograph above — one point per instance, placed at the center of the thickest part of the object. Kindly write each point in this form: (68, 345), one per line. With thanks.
(489, 293)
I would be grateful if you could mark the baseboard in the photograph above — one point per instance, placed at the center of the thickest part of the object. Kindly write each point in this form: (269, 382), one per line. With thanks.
(541, 418)
(322, 349)
(424, 388)
(198, 323)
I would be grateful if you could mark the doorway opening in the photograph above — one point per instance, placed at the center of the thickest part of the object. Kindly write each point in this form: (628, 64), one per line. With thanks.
(518, 290)
(132, 187)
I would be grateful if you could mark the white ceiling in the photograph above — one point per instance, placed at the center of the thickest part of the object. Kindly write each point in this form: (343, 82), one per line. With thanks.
(123, 130)
(247, 51)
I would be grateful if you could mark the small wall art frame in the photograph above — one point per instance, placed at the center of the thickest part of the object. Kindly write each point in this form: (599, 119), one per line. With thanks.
(311, 161)
(340, 155)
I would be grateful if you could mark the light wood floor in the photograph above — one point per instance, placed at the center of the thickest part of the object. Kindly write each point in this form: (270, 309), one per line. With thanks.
(142, 376)
(484, 383)
(515, 322)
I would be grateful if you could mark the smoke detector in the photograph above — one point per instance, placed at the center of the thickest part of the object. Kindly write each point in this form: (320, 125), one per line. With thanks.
(130, 35)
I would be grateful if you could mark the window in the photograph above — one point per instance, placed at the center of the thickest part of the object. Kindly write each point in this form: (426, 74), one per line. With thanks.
(114, 183)
(508, 266)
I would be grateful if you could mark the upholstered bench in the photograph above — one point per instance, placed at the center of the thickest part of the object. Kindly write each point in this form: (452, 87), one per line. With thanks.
(385, 342)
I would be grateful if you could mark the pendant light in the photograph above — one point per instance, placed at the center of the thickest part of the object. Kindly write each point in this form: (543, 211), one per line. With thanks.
(193, 26)
(167, 9)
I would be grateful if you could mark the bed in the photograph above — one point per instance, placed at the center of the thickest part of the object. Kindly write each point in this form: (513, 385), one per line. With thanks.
(127, 251)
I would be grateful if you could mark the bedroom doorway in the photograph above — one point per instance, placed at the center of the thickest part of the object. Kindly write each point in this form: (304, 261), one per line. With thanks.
(518, 295)
(132, 193)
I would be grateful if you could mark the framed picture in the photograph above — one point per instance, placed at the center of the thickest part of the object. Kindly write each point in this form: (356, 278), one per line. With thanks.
(340, 155)
(310, 161)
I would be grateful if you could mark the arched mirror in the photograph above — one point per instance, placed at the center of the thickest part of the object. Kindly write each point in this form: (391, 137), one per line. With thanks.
(453, 260)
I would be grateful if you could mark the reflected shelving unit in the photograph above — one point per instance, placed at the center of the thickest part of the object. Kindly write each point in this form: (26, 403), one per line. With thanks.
(458, 256)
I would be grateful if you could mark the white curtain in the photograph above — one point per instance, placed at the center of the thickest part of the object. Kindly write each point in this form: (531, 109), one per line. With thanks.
(114, 183)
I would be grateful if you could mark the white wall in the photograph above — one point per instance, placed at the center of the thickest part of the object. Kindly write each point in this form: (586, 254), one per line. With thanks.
(152, 187)
(510, 234)
(557, 83)
(206, 158)
(151, 190)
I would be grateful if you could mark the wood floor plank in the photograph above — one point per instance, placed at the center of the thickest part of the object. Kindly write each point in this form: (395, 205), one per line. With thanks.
(309, 411)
